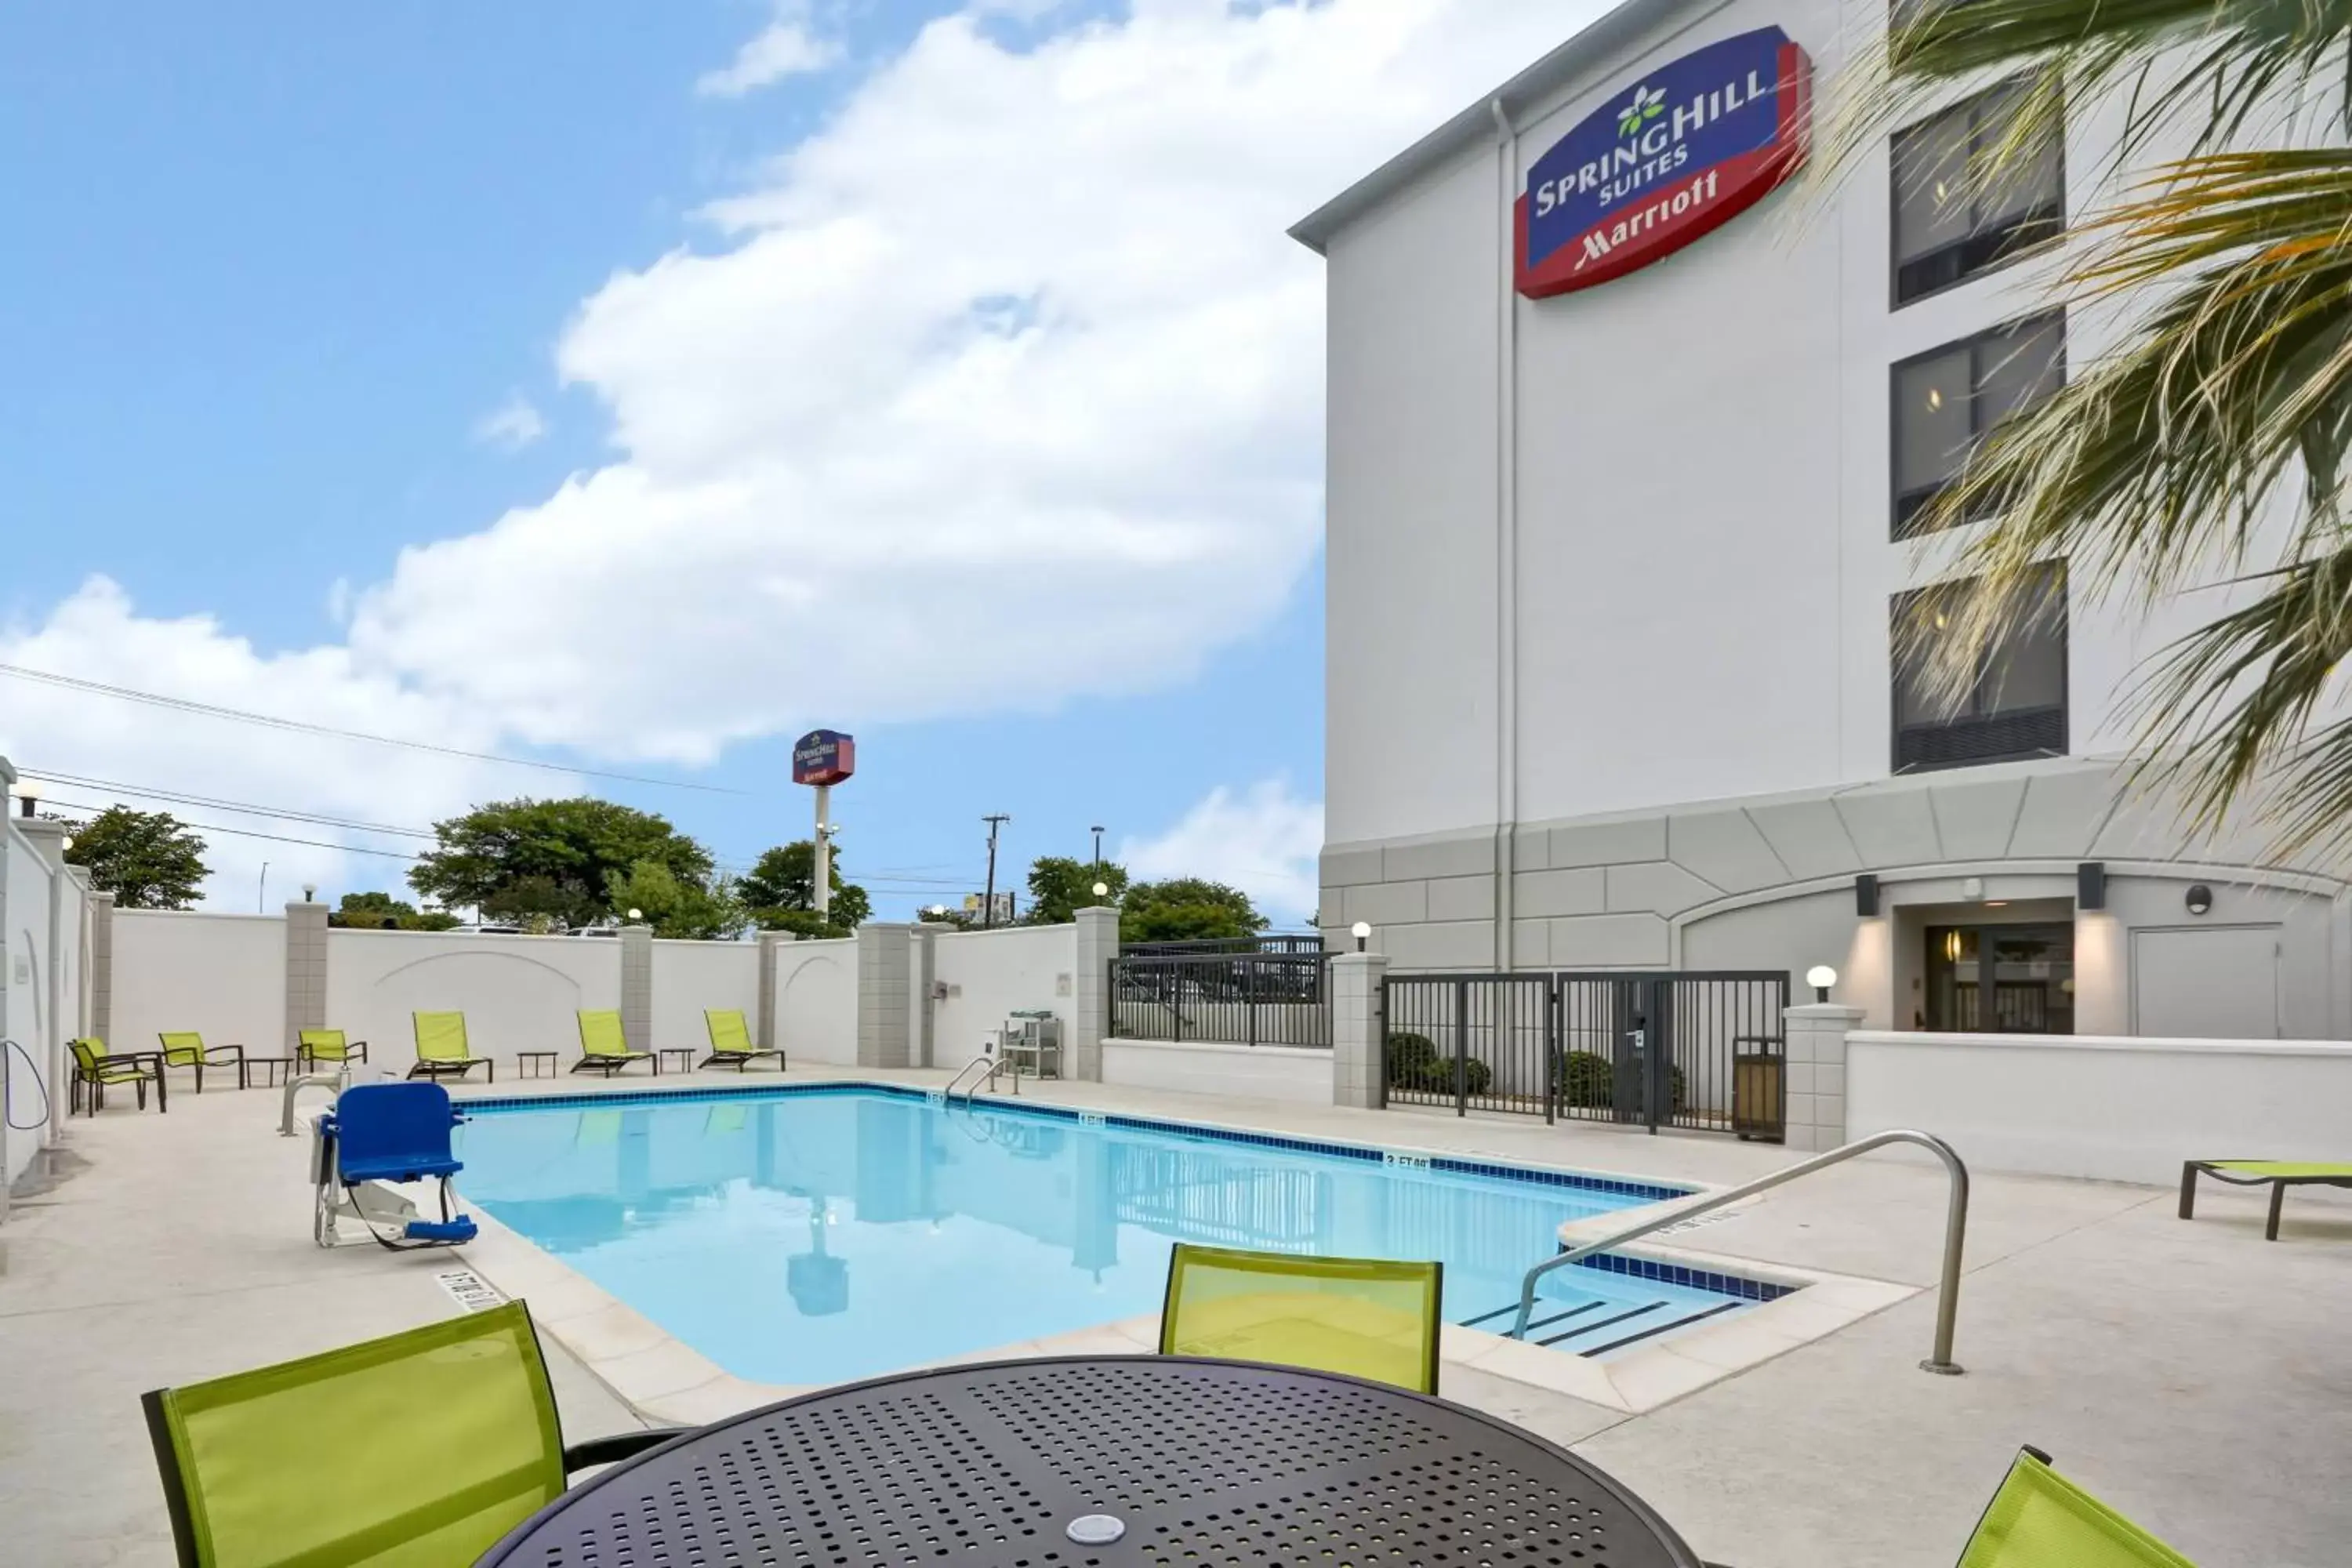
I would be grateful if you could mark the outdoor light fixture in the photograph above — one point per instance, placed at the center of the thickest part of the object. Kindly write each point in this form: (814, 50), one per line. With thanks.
(1972, 889)
(26, 794)
(1363, 931)
(310, 890)
(1102, 889)
(67, 842)
(1821, 977)
(636, 914)
(2199, 899)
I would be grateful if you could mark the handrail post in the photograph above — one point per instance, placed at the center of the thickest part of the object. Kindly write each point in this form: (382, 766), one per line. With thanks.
(1956, 1225)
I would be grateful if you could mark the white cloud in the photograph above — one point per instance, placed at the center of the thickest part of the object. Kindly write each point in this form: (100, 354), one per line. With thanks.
(95, 634)
(511, 426)
(784, 47)
(1263, 841)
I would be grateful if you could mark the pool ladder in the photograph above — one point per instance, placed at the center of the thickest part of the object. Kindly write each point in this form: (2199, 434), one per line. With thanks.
(1956, 1227)
(989, 1060)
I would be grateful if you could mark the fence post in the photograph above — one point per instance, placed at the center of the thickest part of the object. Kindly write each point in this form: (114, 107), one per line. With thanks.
(1098, 945)
(1813, 1101)
(1357, 979)
(637, 987)
(306, 970)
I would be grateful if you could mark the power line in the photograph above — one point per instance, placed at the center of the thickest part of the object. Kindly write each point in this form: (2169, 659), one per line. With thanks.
(271, 721)
(243, 808)
(250, 833)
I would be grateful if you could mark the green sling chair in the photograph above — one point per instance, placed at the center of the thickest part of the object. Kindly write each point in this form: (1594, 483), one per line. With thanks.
(604, 1046)
(2041, 1520)
(1366, 1317)
(441, 1439)
(730, 1042)
(94, 1070)
(315, 1046)
(189, 1050)
(2280, 1175)
(441, 1048)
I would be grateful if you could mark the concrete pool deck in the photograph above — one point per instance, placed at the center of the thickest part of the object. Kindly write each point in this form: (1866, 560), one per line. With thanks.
(2191, 1373)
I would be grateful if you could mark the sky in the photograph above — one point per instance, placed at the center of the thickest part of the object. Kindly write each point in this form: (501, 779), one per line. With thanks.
(627, 389)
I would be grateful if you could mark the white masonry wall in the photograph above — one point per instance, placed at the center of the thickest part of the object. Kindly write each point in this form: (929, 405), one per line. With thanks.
(816, 1001)
(518, 993)
(692, 976)
(222, 975)
(988, 974)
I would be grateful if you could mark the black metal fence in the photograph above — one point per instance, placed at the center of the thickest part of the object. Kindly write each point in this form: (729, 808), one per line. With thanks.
(1243, 997)
(1693, 1049)
(1284, 943)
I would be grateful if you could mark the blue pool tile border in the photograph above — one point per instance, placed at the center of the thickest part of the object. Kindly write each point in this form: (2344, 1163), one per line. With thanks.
(1578, 1181)
(1689, 1278)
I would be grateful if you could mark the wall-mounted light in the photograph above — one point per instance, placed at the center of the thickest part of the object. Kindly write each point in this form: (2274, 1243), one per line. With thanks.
(1363, 931)
(1972, 889)
(1952, 947)
(2199, 899)
(1996, 903)
(1865, 895)
(1821, 977)
(2090, 885)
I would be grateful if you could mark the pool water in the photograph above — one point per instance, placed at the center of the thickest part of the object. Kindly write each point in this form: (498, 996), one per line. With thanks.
(812, 1237)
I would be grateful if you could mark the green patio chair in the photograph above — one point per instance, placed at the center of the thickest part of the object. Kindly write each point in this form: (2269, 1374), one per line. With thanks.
(2041, 1520)
(604, 1046)
(442, 1440)
(1368, 1317)
(94, 1070)
(441, 1048)
(313, 1047)
(730, 1042)
(2280, 1175)
(188, 1050)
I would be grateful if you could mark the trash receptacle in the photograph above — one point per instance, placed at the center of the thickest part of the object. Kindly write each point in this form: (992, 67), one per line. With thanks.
(1759, 1075)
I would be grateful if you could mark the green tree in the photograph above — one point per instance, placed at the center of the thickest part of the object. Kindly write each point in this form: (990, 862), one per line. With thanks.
(677, 906)
(147, 859)
(382, 911)
(781, 892)
(2210, 439)
(1186, 909)
(1060, 886)
(550, 862)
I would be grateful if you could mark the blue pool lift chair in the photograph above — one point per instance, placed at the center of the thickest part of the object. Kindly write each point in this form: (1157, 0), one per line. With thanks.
(380, 1134)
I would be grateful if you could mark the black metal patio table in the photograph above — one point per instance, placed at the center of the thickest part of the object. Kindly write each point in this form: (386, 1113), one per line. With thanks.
(1102, 1462)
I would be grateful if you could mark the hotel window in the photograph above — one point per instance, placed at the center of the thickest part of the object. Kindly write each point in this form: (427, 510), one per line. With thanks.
(1947, 400)
(2015, 707)
(1949, 226)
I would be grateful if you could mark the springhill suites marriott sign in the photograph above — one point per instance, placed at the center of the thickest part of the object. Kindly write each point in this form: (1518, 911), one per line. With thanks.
(1681, 150)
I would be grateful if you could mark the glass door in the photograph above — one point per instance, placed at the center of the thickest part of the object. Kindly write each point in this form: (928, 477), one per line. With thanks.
(2002, 979)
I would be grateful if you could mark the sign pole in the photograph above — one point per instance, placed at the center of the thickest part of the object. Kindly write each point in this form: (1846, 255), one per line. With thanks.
(823, 861)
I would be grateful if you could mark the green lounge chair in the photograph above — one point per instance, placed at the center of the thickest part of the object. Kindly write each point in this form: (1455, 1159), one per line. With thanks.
(730, 1042)
(441, 1048)
(604, 1046)
(2041, 1520)
(442, 1439)
(94, 1069)
(2280, 1175)
(1364, 1316)
(315, 1046)
(189, 1050)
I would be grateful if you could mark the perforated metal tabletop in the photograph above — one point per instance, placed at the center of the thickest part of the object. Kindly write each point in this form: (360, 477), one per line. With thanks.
(1198, 1463)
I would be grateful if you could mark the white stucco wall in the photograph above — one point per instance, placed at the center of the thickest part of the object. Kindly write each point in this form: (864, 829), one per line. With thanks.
(692, 976)
(2128, 1109)
(26, 1018)
(816, 1001)
(222, 975)
(1296, 1075)
(518, 993)
(988, 974)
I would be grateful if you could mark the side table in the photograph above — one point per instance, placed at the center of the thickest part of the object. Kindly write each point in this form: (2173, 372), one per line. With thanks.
(523, 1061)
(272, 1069)
(685, 1055)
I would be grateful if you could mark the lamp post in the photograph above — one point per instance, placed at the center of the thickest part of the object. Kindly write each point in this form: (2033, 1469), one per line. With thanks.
(1098, 832)
(1821, 977)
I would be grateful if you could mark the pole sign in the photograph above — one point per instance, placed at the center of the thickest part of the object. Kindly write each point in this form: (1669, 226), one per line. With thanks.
(1689, 146)
(824, 757)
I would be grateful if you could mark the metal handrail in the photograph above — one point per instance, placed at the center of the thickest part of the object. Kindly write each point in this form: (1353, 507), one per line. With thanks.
(1956, 1225)
(986, 1058)
(337, 1082)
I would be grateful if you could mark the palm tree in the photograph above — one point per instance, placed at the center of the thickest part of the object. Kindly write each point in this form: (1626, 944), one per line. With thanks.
(2207, 450)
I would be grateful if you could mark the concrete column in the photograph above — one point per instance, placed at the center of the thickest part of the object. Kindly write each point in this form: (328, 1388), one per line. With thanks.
(102, 966)
(1815, 1110)
(306, 971)
(884, 1014)
(922, 968)
(1090, 1026)
(637, 987)
(764, 1025)
(1356, 1028)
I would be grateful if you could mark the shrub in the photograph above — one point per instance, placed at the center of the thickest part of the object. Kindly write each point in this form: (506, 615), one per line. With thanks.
(1588, 1081)
(1415, 1063)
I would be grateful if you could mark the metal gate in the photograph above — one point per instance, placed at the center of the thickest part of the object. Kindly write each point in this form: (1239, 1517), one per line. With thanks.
(1699, 1050)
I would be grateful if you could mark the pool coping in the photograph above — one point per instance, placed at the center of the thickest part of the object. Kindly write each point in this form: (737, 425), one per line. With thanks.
(667, 1380)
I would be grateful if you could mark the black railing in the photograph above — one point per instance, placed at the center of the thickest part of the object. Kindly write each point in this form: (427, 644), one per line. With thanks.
(1243, 998)
(1694, 1049)
(1291, 942)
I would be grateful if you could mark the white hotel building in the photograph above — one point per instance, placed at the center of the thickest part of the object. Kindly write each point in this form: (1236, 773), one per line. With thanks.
(1612, 576)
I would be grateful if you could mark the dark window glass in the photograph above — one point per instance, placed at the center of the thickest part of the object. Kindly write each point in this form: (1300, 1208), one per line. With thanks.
(1947, 401)
(1949, 226)
(2015, 707)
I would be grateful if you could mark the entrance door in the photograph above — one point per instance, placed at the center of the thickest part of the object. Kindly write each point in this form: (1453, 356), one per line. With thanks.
(2002, 979)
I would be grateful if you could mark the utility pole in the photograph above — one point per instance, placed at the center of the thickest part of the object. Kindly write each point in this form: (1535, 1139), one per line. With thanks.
(1098, 831)
(988, 899)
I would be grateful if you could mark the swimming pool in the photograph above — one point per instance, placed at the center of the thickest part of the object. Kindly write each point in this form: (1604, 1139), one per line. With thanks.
(833, 1232)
